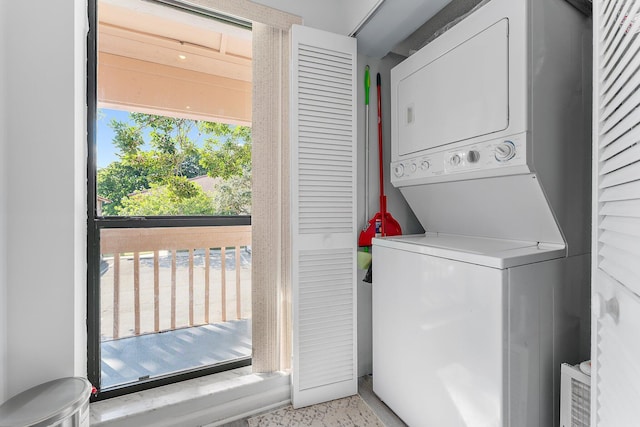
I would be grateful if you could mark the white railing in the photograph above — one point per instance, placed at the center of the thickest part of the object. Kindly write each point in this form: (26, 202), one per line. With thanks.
(145, 282)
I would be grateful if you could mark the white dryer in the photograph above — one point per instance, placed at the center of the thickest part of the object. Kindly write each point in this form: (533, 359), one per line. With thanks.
(471, 332)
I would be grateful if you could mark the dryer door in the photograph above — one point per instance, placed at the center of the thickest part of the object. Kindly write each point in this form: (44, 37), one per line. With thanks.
(460, 95)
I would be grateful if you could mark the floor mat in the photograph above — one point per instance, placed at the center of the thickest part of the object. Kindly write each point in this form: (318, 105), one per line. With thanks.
(350, 411)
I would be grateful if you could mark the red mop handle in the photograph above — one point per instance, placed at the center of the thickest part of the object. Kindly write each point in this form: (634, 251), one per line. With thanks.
(383, 198)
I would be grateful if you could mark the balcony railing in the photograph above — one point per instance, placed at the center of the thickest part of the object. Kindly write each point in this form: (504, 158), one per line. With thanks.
(163, 279)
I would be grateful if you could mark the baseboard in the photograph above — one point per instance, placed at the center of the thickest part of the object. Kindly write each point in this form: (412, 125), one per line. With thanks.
(193, 404)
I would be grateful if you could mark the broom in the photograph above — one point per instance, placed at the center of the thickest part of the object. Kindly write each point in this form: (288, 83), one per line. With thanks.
(382, 223)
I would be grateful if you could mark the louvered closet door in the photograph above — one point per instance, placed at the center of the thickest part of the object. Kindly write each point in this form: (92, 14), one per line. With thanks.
(323, 140)
(616, 243)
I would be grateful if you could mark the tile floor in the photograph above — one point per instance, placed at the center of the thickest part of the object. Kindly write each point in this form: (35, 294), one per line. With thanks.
(365, 390)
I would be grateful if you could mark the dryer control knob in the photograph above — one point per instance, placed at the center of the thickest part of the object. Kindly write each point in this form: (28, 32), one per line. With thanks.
(455, 160)
(399, 170)
(473, 156)
(505, 151)
(425, 165)
(413, 167)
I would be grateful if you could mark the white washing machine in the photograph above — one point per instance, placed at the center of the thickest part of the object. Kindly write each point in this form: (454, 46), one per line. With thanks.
(469, 332)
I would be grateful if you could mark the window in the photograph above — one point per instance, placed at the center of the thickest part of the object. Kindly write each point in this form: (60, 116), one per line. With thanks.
(169, 195)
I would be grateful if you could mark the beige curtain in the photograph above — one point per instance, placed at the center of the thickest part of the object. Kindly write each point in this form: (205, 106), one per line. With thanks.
(270, 217)
(271, 290)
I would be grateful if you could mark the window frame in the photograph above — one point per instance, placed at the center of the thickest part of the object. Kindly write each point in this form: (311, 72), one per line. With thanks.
(96, 223)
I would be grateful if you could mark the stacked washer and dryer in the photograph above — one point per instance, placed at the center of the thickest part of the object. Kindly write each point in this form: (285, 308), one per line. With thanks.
(491, 149)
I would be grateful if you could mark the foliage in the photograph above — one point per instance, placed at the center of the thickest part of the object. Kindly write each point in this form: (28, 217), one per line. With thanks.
(233, 196)
(228, 152)
(173, 152)
(118, 180)
(156, 157)
(161, 200)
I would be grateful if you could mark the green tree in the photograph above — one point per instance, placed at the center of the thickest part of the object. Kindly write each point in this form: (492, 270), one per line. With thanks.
(233, 195)
(117, 181)
(172, 158)
(227, 152)
(173, 152)
(161, 200)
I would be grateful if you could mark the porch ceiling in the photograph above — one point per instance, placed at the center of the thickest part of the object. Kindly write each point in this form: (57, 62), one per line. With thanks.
(153, 58)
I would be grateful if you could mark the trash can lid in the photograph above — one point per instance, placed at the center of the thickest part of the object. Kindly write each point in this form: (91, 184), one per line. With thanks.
(45, 403)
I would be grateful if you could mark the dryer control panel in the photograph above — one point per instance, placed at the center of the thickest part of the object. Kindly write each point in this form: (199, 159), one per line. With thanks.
(484, 159)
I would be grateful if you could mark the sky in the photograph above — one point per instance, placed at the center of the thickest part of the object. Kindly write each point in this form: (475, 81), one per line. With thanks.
(106, 151)
(104, 135)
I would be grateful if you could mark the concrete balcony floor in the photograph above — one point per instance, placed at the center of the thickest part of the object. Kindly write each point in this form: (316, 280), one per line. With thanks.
(129, 360)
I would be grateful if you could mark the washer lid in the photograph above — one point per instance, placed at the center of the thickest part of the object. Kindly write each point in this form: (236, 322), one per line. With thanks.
(46, 403)
(496, 253)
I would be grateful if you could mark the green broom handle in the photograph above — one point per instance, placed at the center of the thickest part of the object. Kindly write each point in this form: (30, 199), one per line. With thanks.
(367, 85)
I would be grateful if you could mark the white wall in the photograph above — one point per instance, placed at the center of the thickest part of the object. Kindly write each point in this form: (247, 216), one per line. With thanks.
(386, 22)
(393, 22)
(45, 198)
(3, 204)
(447, 14)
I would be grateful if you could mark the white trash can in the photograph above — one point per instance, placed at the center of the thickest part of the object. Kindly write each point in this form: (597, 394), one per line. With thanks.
(58, 403)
